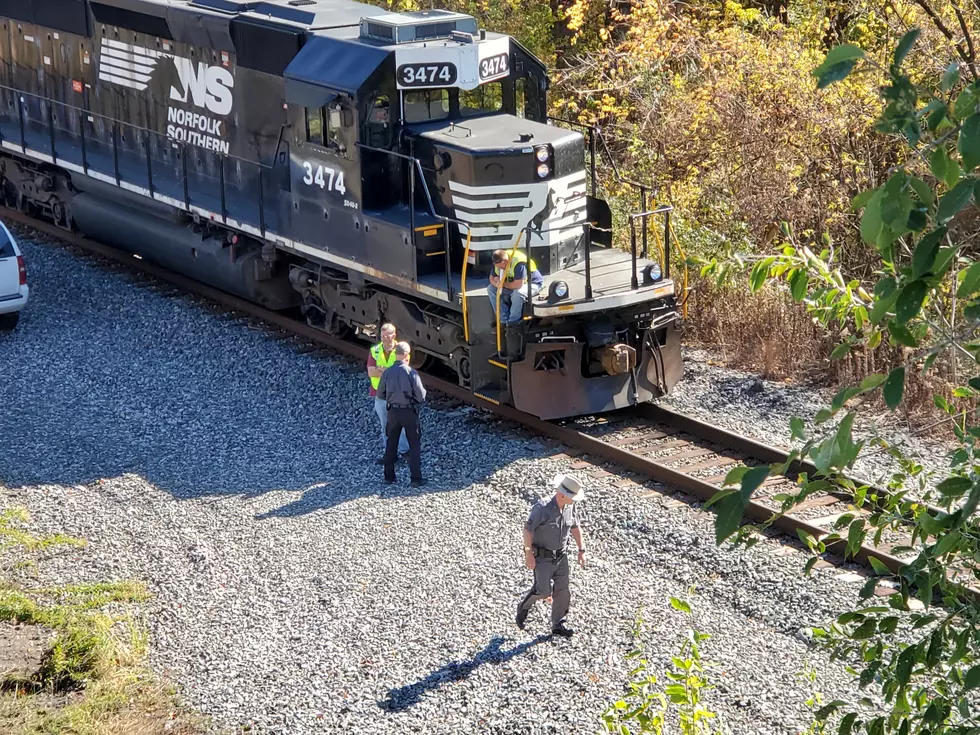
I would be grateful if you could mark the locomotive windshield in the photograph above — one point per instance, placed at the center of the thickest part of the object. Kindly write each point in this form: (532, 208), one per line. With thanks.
(438, 104)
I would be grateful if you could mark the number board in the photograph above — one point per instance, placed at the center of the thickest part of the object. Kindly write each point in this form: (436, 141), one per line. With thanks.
(436, 74)
(495, 66)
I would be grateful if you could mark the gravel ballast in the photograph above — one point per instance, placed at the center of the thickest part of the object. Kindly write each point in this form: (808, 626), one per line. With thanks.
(293, 592)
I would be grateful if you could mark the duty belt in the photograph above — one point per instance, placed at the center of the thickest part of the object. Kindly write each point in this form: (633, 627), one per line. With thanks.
(549, 553)
(400, 405)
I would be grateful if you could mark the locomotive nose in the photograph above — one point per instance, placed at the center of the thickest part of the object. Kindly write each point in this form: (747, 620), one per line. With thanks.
(498, 150)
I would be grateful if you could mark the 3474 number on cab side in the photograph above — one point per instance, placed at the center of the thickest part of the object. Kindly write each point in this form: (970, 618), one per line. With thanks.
(328, 179)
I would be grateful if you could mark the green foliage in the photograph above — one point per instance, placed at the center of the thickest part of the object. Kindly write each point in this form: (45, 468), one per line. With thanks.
(918, 647)
(96, 653)
(86, 644)
(647, 708)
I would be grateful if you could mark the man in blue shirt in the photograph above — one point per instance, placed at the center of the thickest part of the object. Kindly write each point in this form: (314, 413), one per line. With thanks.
(509, 277)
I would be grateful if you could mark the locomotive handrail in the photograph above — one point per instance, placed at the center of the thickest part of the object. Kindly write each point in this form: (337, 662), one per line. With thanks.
(664, 210)
(594, 133)
(417, 169)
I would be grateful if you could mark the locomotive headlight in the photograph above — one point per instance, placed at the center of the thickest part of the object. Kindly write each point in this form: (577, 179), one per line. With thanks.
(652, 273)
(542, 154)
(543, 170)
(558, 291)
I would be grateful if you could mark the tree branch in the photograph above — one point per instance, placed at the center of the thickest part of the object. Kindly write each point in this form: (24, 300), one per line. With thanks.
(938, 22)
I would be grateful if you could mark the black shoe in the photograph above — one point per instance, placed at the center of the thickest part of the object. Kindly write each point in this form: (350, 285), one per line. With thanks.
(404, 455)
(563, 631)
(389, 482)
(521, 617)
(379, 460)
(418, 483)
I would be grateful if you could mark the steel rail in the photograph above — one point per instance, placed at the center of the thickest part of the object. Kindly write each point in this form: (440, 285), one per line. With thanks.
(589, 445)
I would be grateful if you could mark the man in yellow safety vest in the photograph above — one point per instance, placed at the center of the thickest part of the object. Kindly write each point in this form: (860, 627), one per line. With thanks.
(380, 358)
(510, 276)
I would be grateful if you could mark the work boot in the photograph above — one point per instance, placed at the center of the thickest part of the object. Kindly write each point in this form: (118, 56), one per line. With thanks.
(562, 630)
(521, 617)
(419, 482)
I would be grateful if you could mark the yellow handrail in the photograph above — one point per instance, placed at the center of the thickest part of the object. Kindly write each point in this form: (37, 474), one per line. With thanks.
(680, 251)
(503, 277)
(466, 262)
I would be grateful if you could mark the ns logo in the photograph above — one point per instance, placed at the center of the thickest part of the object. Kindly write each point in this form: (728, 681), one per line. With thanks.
(208, 87)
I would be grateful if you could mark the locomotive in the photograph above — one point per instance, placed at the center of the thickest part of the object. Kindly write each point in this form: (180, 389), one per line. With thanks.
(357, 165)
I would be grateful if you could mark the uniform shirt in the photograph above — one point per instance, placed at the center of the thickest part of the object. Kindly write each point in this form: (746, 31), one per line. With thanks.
(550, 525)
(401, 386)
(371, 362)
(520, 273)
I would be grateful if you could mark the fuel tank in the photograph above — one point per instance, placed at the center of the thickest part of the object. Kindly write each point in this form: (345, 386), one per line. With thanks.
(152, 232)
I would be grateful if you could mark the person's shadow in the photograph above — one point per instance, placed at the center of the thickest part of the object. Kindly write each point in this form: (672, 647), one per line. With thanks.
(403, 697)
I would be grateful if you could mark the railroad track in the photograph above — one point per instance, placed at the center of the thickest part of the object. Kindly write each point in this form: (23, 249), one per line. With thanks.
(652, 442)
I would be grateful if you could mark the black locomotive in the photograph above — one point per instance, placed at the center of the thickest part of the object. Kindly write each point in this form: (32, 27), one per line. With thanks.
(359, 165)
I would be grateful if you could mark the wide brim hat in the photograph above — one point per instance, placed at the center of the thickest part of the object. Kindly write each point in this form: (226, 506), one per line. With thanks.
(569, 486)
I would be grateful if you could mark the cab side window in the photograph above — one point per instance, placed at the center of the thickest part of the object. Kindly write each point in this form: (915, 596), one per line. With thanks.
(335, 124)
(329, 127)
(314, 125)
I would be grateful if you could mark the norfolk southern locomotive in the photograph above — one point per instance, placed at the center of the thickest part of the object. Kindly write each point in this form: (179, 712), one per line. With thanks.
(359, 165)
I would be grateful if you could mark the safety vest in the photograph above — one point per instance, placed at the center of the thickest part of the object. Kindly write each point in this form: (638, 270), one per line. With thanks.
(377, 352)
(515, 260)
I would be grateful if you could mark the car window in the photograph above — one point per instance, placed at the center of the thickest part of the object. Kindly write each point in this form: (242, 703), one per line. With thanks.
(6, 247)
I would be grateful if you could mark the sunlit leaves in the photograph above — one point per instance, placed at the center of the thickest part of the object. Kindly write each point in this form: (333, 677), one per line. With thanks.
(950, 77)
(925, 252)
(731, 504)
(966, 103)
(954, 200)
(910, 301)
(969, 142)
(969, 281)
(837, 65)
(894, 387)
(904, 46)
(943, 167)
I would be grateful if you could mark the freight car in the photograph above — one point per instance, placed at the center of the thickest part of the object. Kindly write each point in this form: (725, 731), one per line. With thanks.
(355, 164)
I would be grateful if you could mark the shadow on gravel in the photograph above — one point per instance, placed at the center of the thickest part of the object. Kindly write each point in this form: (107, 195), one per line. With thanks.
(402, 698)
(323, 495)
(113, 382)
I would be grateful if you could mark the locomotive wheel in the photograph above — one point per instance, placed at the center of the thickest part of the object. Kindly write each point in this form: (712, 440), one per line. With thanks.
(337, 327)
(419, 360)
(463, 370)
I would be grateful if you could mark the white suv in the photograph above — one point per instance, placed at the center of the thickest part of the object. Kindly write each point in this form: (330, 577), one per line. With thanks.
(13, 280)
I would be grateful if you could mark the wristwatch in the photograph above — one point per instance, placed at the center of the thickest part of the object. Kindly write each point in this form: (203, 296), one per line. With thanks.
(581, 550)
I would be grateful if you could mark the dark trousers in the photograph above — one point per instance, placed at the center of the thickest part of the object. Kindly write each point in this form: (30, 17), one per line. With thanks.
(550, 579)
(407, 419)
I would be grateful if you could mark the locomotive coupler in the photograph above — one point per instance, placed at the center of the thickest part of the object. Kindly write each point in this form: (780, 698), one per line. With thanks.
(618, 359)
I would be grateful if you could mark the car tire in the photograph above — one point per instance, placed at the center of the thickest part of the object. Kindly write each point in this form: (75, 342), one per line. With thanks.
(9, 321)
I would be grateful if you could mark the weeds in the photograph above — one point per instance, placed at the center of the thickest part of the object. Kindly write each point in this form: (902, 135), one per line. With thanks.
(91, 680)
(646, 708)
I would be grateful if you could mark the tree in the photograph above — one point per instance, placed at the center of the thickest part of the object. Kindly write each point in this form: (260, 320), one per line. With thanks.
(925, 300)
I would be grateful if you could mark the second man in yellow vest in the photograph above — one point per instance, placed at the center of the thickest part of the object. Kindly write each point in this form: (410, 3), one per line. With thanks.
(382, 357)
(510, 276)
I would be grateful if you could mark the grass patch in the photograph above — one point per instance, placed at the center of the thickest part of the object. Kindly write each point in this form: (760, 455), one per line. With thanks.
(92, 678)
